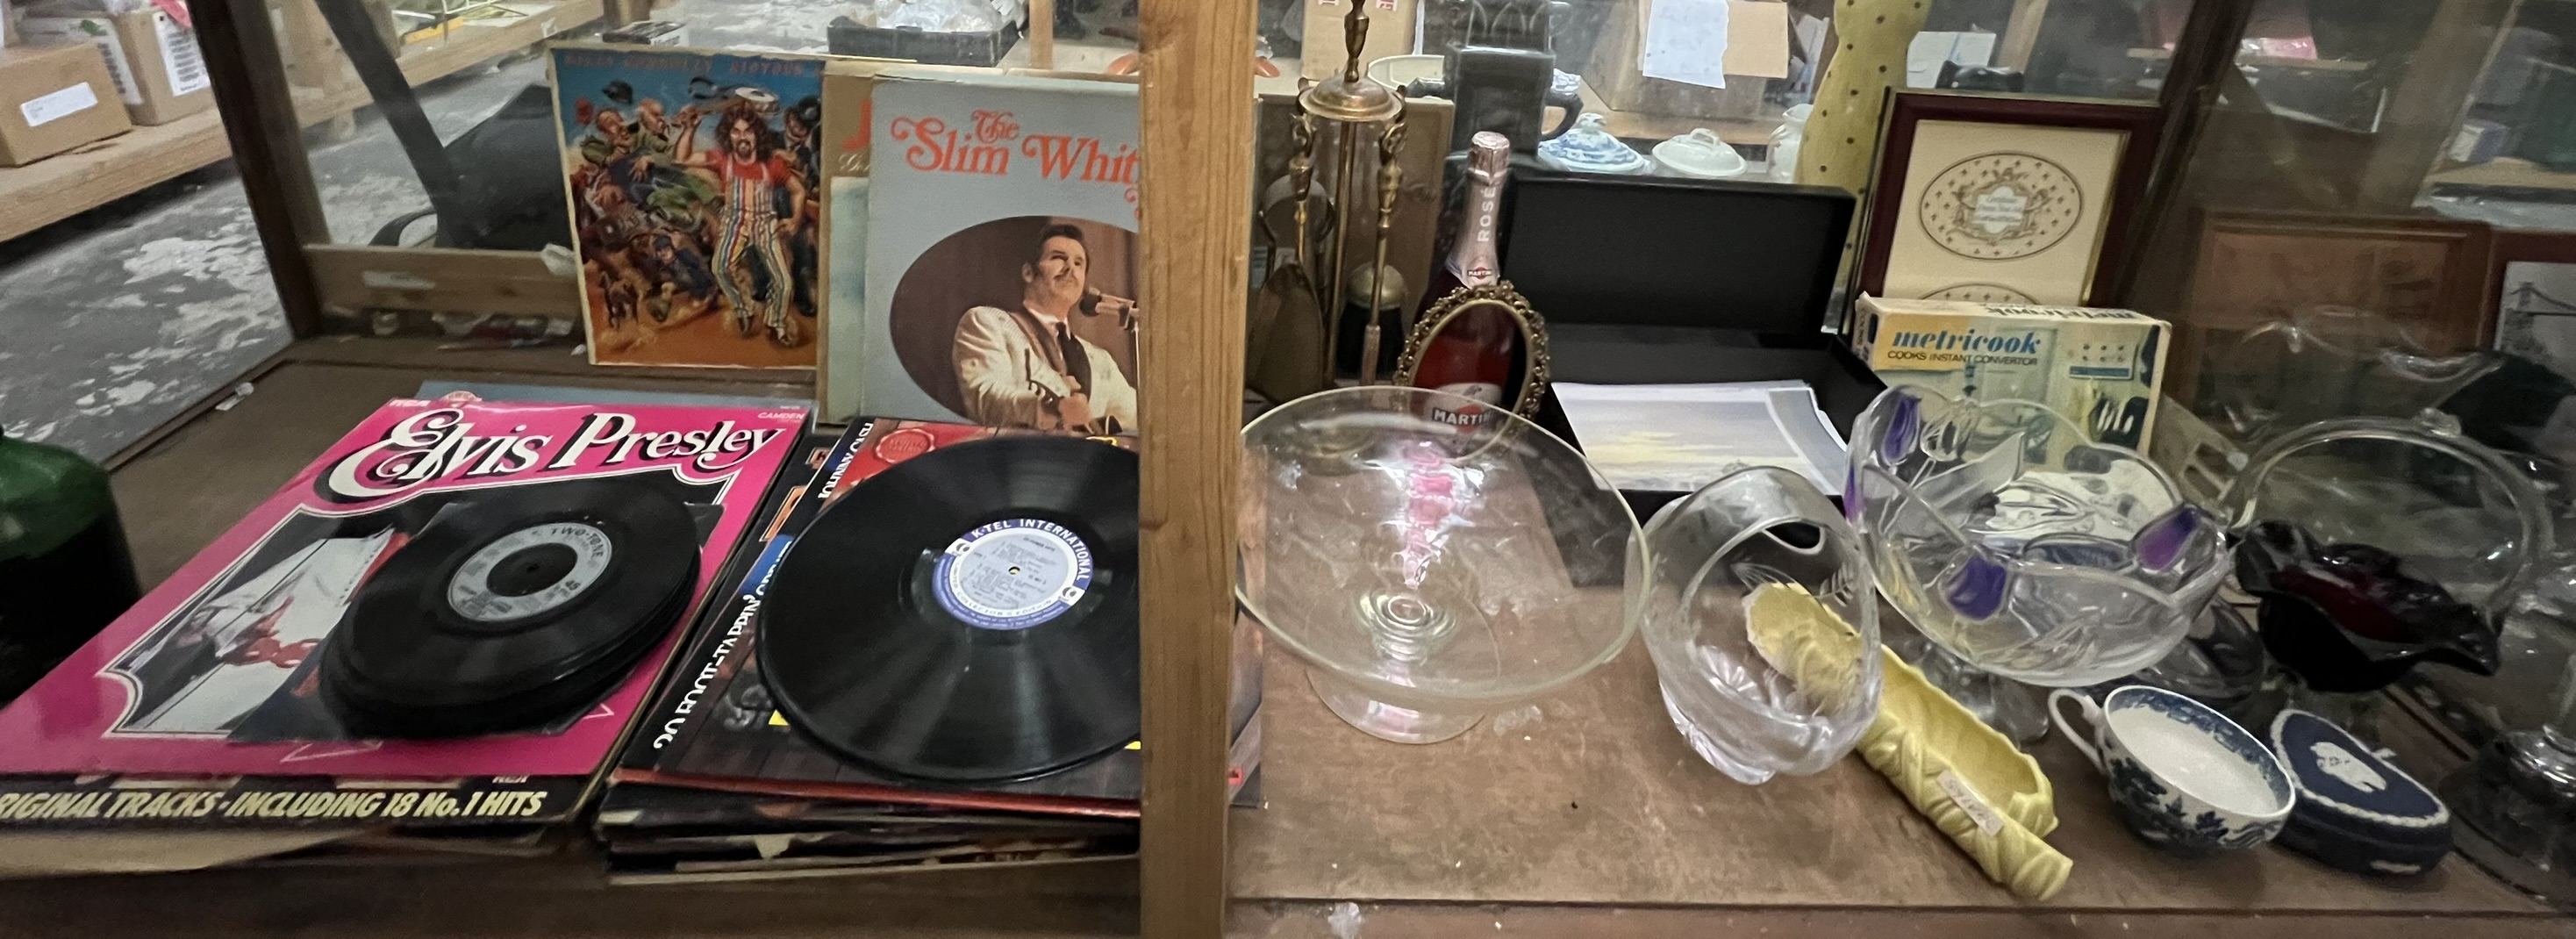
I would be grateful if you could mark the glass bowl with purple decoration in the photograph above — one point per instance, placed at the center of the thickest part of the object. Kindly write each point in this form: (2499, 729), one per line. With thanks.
(2014, 542)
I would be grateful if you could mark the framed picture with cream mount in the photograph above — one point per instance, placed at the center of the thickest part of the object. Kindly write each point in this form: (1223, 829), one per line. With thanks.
(2004, 199)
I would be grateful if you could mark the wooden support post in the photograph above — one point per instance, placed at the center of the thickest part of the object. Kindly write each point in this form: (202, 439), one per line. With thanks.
(313, 57)
(2203, 55)
(2424, 108)
(1042, 34)
(1196, 227)
(243, 61)
(2021, 34)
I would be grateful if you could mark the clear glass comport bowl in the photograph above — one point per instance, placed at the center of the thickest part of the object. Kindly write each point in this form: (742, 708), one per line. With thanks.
(2011, 541)
(2376, 543)
(1428, 571)
(1763, 624)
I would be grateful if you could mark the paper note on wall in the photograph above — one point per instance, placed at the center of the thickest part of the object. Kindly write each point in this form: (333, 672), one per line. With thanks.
(1685, 42)
(1924, 56)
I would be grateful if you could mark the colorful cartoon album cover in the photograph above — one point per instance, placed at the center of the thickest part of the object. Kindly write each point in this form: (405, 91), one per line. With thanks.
(716, 726)
(1006, 296)
(215, 673)
(696, 197)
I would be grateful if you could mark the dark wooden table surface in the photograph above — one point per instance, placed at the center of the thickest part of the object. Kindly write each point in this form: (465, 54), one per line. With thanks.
(1586, 817)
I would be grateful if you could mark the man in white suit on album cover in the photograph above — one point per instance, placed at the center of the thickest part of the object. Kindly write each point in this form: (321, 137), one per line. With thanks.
(1027, 367)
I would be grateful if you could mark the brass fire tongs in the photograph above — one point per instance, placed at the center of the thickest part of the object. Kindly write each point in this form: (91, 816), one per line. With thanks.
(1301, 187)
(1353, 101)
(1390, 178)
(1284, 341)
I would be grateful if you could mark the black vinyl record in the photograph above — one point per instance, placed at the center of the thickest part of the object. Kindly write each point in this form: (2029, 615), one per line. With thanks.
(512, 608)
(966, 616)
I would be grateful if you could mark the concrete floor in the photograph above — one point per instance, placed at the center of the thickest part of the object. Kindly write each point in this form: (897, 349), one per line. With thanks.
(114, 321)
(119, 318)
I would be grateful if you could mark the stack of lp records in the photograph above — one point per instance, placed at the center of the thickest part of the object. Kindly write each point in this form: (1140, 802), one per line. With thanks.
(444, 625)
(933, 661)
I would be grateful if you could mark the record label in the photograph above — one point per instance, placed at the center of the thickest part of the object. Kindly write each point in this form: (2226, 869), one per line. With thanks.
(530, 571)
(904, 443)
(1013, 574)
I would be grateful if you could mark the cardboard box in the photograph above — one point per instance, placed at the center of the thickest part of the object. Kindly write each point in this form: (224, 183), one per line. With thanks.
(2101, 368)
(1757, 52)
(151, 57)
(54, 98)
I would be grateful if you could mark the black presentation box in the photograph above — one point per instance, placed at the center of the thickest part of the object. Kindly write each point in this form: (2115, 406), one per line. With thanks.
(1650, 280)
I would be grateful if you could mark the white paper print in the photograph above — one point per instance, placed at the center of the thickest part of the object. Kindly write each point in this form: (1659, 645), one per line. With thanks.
(1686, 42)
(1923, 57)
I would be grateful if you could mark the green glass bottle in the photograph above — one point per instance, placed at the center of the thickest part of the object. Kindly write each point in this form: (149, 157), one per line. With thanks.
(64, 570)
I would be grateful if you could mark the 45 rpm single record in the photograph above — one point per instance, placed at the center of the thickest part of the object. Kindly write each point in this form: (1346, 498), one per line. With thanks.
(514, 607)
(966, 616)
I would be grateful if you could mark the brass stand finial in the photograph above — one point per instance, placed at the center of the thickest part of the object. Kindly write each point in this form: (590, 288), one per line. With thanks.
(1355, 26)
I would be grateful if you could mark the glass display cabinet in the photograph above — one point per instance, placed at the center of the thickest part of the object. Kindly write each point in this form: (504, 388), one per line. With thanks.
(2380, 240)
(2346, 213)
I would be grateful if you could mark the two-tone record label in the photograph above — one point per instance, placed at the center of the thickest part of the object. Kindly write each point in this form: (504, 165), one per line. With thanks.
(1013, 574)
(530, 571)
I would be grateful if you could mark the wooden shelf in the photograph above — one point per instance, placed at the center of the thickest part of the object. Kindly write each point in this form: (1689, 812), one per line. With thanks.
(1596, 800)
(67, 184)
(59, 187)
(2511, 172)
(1589, 816)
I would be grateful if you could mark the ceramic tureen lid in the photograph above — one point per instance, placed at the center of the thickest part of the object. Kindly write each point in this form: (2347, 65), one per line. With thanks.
(1700, 153)
(1589, 148)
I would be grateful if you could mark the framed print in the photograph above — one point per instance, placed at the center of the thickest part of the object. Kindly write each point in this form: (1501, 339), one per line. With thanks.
(2416, 282)
(2426, 276)
(2534, 273)
(2004, 200)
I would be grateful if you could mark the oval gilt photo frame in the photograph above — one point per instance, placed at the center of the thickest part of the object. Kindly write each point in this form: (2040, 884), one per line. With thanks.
(1498, 296)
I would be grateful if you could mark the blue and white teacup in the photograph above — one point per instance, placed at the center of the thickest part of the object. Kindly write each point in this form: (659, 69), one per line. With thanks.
(2184, 777)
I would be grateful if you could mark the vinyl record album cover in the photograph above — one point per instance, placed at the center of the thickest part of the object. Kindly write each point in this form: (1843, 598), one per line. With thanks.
(846, 88)
(457, 588)
(1005, 297)
(695, 181)
(719, 725)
